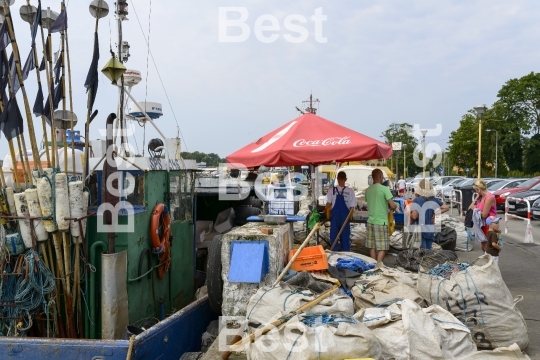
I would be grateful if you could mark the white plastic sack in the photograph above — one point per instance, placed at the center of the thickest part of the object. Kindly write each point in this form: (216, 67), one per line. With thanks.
(511, 352)
(358, 234)
(479, 297)
(284, 298)
(333, 257)
(465, 239)
(296, 341)
(385, 286)
(411, 332)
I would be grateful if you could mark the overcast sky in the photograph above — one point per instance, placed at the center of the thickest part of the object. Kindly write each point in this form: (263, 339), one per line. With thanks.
(423, 62)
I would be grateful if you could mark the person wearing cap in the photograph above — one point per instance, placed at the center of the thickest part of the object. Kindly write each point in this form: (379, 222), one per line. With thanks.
(423, 210)
(340, 200)
(493, 247)
(379, 199)
(485, 203)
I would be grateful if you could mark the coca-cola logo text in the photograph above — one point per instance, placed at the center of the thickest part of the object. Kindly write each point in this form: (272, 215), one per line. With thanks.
(326, 142)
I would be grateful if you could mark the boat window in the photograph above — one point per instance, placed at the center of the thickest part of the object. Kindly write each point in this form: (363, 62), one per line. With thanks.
(181, 203)
(136, 190)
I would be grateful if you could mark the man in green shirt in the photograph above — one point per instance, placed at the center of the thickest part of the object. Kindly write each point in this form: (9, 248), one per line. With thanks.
(379, 199)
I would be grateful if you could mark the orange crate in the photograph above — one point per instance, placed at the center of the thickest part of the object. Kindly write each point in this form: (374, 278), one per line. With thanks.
(312, 258)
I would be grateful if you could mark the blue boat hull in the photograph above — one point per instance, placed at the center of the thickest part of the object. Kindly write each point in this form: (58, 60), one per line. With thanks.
(168, 339)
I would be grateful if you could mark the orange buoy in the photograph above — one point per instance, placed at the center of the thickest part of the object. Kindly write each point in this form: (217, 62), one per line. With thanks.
(160, 218)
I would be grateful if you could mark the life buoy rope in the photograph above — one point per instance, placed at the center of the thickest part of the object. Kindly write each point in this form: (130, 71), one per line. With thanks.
(160, 216)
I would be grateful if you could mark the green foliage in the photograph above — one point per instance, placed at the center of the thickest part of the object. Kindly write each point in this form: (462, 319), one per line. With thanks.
(211, 160)
(402, 133)
(532, 155)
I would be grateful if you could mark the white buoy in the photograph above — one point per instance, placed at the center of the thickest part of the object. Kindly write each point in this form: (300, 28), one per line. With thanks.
(11, 201)
(86, 196)
(61, 197)
(24, 225)
(76, 206)
(35, 211)
(45, 200)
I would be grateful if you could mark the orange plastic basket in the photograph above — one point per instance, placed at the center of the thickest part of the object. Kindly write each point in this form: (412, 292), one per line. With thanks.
(312, 258)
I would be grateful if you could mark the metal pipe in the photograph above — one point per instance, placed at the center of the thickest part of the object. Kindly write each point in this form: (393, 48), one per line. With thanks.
(90, 326)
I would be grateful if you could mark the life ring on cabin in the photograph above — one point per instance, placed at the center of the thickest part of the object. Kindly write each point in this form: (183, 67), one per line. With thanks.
(160, 219)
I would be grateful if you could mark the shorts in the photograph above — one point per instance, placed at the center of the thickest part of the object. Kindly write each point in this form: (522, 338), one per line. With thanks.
(402, 191)
(377, 237)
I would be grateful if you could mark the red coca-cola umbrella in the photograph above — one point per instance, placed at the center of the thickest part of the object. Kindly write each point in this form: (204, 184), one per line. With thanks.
(310, 139)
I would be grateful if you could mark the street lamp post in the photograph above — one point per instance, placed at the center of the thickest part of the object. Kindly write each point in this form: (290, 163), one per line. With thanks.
(424, 132)
(496, 149)
(480, 110)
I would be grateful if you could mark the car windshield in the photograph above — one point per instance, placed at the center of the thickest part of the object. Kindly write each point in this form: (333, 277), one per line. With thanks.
(535, 187)
(491, 183)
(528, 183)
(438, 182)
(497, 185)
(455, 181)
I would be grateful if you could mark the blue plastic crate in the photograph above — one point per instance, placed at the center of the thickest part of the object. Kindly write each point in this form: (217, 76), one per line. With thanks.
(249, 261)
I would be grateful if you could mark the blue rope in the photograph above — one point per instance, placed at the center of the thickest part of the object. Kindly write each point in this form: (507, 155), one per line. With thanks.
(259, 301)
(314, 320)
(477, 297)
(295, 291)
(389, 302)
(294, 343)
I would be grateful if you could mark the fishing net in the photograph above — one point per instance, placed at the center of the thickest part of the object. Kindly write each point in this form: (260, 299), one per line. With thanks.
(422, 260)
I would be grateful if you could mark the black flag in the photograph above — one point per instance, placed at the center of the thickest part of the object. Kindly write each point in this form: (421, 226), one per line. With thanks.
(38, 104)
(29, 64)
(4, 36)
(47, 55)
(11, 121)
(57, 68)
(92, 78)
(56, 94)
(15, 85)
(42, 65)
(60, 24)
(4, 71)
(37, 22)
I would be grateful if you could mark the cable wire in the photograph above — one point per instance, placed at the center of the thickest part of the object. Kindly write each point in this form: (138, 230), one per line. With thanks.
(159, 75)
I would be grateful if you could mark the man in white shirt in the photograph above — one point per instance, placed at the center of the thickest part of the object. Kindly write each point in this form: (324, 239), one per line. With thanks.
(340, 199)
(401, 186)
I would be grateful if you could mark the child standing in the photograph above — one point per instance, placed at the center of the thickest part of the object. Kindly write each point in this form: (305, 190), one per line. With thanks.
(493, 247)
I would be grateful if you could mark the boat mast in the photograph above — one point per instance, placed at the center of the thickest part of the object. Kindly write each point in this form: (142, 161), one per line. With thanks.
(121, 15)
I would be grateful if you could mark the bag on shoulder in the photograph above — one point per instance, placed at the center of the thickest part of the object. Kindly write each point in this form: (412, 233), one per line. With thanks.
(468, 218)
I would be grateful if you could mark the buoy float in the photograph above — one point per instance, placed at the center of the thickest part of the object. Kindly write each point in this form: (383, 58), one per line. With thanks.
(35, 211)
(45, 200)
(76, 201)
(24, 225)
(61, 197)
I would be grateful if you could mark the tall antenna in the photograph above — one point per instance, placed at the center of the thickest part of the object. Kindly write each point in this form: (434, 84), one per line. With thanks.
(307, 106)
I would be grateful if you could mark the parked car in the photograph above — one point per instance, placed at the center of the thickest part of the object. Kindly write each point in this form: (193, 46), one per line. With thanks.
(517, 204)
(535, 210)
(441, 190)
(505, 184)
(501, 195)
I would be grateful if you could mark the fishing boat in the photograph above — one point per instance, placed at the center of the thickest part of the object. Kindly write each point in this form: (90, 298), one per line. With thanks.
(98, 254)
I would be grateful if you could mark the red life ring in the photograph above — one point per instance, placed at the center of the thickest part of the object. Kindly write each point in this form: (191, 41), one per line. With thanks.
(160, 215)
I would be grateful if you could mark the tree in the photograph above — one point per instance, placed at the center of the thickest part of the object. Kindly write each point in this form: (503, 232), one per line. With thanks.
(532, 155)
(397, 132)
(211, 160)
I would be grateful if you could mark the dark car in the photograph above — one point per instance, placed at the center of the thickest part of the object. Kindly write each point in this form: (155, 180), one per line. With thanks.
(517, 204)
(535, 210)
(501, 195)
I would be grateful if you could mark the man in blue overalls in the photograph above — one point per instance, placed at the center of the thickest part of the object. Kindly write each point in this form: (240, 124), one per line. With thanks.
(340, 199)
